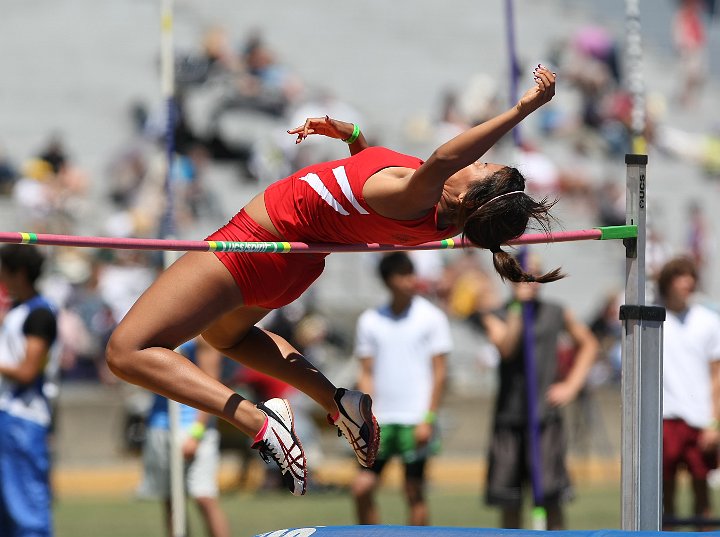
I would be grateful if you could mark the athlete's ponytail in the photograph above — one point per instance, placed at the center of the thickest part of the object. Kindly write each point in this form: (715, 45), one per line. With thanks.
(496, 210)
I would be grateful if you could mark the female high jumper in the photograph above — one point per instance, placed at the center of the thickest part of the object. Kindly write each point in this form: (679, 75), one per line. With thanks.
(374, 196)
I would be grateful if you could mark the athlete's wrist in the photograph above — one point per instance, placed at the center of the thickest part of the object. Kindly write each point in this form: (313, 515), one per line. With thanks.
(354, 135)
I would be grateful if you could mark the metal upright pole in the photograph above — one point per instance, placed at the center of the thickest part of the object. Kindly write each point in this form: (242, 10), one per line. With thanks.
(641, 373)
(178, 512)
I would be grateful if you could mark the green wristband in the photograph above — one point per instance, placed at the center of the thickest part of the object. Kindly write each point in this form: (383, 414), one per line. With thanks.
(430, 417)
(354, 135)
(514, 307)
(197, 431)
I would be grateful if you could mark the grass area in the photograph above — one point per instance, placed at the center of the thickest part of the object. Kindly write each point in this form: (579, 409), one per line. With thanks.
(594, 508)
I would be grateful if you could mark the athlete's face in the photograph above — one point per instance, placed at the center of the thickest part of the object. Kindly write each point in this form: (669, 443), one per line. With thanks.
(480, 171)
(477, 171)
(483, 170)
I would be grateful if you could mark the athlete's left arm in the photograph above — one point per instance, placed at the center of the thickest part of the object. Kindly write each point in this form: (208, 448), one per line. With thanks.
(332, 128)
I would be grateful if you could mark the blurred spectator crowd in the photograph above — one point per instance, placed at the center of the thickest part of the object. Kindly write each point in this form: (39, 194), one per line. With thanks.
(233, 105)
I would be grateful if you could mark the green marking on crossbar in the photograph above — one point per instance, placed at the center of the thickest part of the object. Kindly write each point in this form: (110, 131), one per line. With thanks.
(618, 232)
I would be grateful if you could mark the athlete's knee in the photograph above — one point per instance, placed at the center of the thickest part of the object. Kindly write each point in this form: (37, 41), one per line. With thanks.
(118, 354)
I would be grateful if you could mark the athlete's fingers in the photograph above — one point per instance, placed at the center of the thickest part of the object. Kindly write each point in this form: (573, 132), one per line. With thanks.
(543, 78)
(547, 73)
(540, 78)
(306, 127)
(304, 134)
(550, 77)
(546, 80)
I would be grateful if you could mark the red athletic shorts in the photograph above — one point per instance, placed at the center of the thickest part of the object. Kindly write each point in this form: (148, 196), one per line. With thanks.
(680, 445)
(266, 280)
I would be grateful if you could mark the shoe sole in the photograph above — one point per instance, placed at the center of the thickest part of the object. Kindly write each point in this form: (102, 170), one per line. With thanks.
(369, 418)
(297, 441)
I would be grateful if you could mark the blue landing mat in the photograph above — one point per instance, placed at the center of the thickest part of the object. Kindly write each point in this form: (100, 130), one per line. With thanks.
(435, 531)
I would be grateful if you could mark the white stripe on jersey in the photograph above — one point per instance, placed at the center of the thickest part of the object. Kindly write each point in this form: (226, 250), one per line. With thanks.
(317, 185)
(342, 181)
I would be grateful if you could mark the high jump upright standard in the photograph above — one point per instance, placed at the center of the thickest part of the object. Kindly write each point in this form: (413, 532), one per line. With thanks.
(641, 460)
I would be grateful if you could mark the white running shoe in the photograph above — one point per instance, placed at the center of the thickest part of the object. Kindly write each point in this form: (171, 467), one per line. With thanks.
(357, 423)
(281, 444)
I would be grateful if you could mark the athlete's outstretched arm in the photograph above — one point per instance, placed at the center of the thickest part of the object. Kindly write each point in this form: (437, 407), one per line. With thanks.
(331, 128)
(427, 182)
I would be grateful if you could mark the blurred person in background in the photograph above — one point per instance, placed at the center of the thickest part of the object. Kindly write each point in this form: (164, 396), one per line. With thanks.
(544, 176)
(402, 347)
(509, 456)
(27, 337)
(8, 173)
(200, 449)
(607, 328)
(699, 240)
(466, 286)
(85, 337)
(691, 386)
(690, 40)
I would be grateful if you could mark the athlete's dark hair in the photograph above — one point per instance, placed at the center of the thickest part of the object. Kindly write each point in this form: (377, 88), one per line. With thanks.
(395, 263)
(489, 225)
(22, 258)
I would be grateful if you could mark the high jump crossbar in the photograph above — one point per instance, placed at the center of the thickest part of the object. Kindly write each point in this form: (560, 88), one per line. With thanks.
(598, 233)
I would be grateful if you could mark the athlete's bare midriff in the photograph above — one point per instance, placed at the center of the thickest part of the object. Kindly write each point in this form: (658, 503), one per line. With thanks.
(256, 210)
(380, 187)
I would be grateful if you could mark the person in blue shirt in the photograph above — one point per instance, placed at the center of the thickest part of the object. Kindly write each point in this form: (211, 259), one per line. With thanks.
(27, 336)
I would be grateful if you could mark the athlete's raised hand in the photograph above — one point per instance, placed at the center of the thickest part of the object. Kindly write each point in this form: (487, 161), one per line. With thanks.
(540, 93)
(325, 126)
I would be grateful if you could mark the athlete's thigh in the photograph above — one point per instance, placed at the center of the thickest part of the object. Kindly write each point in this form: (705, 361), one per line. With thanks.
(184, 300)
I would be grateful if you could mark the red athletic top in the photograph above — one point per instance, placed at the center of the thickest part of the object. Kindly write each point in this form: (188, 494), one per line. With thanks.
(324, 203)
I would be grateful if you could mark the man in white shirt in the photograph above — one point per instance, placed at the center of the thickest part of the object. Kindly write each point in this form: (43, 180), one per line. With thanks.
(402, 347)
(691, 385)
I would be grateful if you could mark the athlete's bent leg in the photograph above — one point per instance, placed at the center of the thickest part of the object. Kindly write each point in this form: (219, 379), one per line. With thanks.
(269, 353)
(185, 300)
